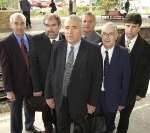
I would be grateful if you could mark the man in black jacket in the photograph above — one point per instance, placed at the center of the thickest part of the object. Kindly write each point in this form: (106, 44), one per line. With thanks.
(139, 51)
(39, 60)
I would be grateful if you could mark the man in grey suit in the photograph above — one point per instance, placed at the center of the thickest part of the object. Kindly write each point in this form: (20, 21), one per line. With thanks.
(88, 25)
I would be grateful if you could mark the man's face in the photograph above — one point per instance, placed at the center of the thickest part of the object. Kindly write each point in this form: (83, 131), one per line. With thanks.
(51, 28)
(87, 24)
(131, 30)
(72, 31)
(18, 26)
(109, 36)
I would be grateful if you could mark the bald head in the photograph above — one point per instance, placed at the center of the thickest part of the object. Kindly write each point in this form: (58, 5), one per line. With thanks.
(72, 29)
(109, 34)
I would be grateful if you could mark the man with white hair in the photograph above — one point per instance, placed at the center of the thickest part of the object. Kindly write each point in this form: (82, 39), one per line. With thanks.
(15, 68)
(73, 81)
(116, 73)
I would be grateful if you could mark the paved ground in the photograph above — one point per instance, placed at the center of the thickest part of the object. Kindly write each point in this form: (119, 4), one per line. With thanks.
(139, 122)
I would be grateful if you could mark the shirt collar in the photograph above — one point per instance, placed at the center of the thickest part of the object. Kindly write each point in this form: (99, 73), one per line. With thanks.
(132, 40)
(56, 39)
(19, 38)
(76, 45)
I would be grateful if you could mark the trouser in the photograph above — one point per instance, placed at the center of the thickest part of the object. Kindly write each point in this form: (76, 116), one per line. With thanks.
(64, 118)
(16, 114)
(109, 116)
(48, 115)
(27, 15)
(124, 117)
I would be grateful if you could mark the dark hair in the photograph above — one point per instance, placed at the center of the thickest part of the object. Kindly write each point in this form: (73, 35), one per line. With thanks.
(134, 18)
(52, 16)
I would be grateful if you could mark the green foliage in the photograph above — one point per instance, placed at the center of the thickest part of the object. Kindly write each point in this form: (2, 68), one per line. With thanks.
(2, 2)
(109, 4)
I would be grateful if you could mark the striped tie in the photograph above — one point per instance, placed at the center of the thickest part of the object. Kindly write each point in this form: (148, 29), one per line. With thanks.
(68, 71)
(127, 45)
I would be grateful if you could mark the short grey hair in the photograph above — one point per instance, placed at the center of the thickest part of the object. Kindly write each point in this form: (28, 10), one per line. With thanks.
(75, 18)
(16, 15)
(113, 25)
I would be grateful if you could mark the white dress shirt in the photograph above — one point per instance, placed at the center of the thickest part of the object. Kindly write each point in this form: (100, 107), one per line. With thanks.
(56, 39)
(76, 49)
(132, 42)
(110, 53)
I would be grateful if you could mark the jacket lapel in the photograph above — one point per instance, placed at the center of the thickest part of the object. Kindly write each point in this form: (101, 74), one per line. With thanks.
(81, 56)
(114, 57)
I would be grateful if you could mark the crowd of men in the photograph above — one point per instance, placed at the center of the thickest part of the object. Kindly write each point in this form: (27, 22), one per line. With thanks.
(67, 76)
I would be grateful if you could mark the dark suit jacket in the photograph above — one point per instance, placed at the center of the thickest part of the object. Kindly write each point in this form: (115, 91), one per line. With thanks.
(140, 67)
(39, 59)
(117, 80)
(85, 81)
(15, 71)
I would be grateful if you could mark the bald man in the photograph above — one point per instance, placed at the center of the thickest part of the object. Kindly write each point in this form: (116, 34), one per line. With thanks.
(116, 73)
(15, 68)
(73, 81)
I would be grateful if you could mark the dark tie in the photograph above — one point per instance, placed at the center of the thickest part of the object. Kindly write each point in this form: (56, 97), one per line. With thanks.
(53, 42)
(106, 67)
(24, 51)
(68, 71)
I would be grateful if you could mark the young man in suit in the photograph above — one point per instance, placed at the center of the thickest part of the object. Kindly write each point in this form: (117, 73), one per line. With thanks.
(116, 73)
(73, 82)
(39, 59)
(88, 25)
(15, 68)
(139, 51)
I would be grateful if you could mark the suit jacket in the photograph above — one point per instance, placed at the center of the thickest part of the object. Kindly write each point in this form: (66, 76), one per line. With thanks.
(117, 79)
(94, 37)
(39, 59)
(85, 81)
(15, 71)
(140, 67)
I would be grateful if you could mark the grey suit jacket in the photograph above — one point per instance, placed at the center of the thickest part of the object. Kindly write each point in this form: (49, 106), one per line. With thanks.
(94, 37)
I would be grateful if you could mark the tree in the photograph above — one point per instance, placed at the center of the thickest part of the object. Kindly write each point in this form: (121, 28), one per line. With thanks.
(108, 4)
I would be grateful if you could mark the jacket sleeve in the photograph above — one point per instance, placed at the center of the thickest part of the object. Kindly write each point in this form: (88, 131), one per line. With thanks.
(48, 89)
(125, 77)
(96, 68)
(143, 71)
(6, 68)
(34, 67)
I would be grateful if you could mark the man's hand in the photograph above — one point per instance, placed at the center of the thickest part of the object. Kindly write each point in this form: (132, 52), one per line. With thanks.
(138, 98)
(11, 96)
(37, 94)
(120, 108)
(91, 109)
(50, 103)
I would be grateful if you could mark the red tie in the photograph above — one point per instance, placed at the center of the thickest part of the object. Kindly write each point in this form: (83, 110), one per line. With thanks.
(24, 51)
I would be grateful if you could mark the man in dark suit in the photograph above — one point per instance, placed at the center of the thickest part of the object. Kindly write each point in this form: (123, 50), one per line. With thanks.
(74, 76)
(88, 25)
(139, 51)
(39, 60)
(17, 82)
(116, 71)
